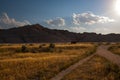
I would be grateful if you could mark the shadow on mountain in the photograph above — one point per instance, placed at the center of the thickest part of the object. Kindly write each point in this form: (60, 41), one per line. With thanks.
(39, 34)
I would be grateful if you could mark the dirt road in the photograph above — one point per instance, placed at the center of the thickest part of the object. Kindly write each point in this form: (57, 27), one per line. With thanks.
(101, 51)
(68, 70)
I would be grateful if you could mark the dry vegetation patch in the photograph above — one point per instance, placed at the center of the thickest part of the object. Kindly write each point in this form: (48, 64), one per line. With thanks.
(98, 68)
(115, 48)
(40, 65)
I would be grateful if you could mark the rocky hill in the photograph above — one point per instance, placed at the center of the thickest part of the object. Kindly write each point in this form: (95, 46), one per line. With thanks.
(39, 34)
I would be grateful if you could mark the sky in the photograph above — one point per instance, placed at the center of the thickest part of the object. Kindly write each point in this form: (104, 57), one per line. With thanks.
(97, 16)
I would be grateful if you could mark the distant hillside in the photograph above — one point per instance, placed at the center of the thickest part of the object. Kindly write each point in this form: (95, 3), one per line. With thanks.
(39, 34)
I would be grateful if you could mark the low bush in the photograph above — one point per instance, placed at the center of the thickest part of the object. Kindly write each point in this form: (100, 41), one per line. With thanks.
(24, 48)
(51, 45)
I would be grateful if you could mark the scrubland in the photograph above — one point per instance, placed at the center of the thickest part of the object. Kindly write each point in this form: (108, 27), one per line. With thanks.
(98, 68)
(115, 48)
(40, 61)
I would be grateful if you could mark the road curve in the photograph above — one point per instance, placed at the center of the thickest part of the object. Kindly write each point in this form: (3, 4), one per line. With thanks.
(103, 51)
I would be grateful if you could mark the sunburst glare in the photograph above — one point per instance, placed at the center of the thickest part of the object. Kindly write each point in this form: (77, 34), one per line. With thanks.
(117, 7)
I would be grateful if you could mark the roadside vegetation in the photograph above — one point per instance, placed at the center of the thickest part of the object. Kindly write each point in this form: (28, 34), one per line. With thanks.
(98, 68)
(39, 61)
(115, 48)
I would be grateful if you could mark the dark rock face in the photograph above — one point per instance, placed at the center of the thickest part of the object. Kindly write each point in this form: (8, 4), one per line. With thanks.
(93, 37)
(39, 34)
(35, 34)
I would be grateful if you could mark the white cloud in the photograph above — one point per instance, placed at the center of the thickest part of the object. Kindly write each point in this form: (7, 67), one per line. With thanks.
(7, 22)
(90, 18)
(107, 28)
(102, 30)
(77, 29)
(56, 22)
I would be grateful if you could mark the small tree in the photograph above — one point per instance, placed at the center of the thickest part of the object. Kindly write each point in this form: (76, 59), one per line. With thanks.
(40, 46)
(52, 45)
(24, 48)
(73, 42)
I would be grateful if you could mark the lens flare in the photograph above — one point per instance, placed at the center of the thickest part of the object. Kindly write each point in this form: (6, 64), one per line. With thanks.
(117, 7)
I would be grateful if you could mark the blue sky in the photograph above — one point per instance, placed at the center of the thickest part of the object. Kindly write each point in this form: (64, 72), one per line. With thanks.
(59, 14)
(45, 9)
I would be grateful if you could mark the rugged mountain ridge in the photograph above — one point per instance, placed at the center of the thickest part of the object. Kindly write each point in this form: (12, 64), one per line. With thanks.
(39, 34)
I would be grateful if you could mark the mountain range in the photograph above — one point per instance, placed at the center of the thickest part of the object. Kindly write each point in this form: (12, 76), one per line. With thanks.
(38, 34)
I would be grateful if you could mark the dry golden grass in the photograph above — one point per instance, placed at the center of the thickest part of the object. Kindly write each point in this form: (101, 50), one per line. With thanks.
(115, 48)
(43, 65)
(98, 68)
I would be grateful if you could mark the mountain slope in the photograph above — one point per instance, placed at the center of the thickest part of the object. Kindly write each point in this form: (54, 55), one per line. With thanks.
(39, 34)
(33, 34)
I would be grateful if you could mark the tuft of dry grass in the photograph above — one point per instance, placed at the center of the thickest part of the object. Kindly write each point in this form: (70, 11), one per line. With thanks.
(115, 49)
(40, 65)
(98, 68)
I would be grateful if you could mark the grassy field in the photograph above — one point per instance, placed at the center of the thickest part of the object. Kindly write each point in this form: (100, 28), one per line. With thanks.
(115, 48)
(39, 61)
(98, 68)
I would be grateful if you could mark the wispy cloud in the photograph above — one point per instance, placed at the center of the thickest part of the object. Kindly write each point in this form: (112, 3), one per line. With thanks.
(56, 22)
(7, 22)
(84, 22)
(77, 29)
(90, 18)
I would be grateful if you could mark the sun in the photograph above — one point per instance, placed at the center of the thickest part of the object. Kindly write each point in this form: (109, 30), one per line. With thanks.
(117, 7)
